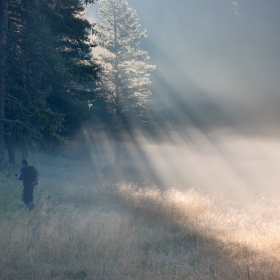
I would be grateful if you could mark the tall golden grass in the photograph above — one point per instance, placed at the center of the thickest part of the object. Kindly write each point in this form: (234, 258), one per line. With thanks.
(101, 230)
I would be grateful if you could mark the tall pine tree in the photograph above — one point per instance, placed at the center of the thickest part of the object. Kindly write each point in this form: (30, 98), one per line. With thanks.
(125, 73)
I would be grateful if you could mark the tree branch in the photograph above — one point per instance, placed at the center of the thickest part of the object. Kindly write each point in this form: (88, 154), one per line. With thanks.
(34, 130)
(15, 100)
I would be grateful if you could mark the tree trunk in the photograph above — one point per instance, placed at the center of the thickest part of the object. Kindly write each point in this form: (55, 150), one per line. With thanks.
(117, 131)
(117, 147)
(3, 73)
(11, 151)
(24, 152)
(117, 98)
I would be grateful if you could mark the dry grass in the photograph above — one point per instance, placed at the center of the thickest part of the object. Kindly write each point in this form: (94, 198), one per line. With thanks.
(95, 230)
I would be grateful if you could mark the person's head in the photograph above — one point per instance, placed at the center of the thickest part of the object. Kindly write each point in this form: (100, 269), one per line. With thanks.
(24, 161)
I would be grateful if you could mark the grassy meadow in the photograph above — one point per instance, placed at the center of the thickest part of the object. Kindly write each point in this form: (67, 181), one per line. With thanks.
(85, 226)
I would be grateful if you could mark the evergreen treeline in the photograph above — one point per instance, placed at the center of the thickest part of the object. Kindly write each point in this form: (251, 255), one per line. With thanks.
(45, 54)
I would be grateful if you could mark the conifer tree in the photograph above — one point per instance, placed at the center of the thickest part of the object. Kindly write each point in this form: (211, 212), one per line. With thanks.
(44, 51)
(125, 73)
(49, 59)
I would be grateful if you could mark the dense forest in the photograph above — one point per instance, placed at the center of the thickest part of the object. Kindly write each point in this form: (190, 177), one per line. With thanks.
(45, 61)
(50, 79)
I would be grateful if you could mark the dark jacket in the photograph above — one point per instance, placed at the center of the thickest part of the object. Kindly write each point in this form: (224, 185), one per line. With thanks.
(25, 178)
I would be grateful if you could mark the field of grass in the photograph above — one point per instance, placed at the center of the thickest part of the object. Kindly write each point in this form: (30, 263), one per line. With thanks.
(89, 227)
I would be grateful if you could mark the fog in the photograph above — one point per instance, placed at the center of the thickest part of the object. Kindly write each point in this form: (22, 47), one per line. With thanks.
(218, 75)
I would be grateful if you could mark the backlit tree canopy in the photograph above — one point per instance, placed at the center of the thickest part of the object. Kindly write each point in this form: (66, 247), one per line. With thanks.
(126, 72)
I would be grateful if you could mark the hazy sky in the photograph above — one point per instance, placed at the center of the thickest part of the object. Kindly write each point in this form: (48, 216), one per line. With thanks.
(221, 57)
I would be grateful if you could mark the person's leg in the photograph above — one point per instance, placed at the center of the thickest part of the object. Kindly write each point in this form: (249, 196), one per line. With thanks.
(29, 197)
(31, 202)
(25, 195)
